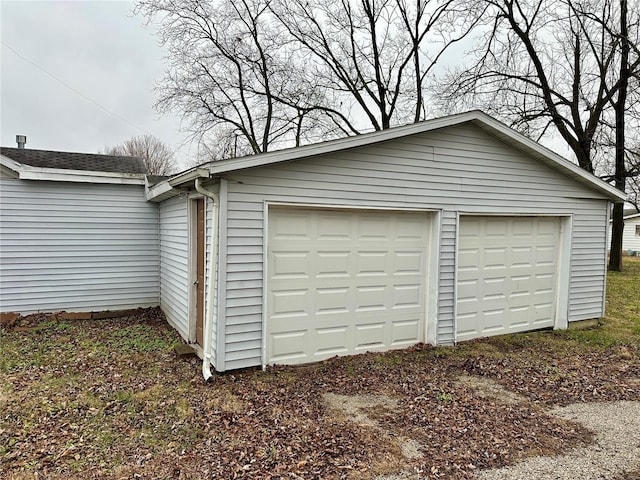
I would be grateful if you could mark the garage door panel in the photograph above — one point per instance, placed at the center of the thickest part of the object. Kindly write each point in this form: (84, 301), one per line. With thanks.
(332, 264)
(332, 228)
(546, 255)
(348, 282)
(408, 263)
(372, 263)
(371, 298)
(289, 345)
(405, 332)
(370, 335)
(373, 228)
(290, 265)
(407, 296)
(331, 341)
(507, 275)
(294, 226)
(332, 300)
(290, 303)
(408, 231)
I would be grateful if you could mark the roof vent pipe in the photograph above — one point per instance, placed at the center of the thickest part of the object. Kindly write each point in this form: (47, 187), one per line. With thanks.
(21, 140)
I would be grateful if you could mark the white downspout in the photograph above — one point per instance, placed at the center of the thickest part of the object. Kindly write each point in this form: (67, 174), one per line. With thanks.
(208, 320)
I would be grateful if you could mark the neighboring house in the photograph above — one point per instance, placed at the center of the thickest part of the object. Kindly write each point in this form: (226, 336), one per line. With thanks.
(76, 233)
(440, 231)
(630, 234)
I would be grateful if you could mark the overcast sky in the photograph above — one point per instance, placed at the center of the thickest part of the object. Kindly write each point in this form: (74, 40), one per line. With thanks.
(99, 52)
(99, 49)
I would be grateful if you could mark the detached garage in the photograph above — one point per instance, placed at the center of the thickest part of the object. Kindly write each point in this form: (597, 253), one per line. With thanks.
(441, 231)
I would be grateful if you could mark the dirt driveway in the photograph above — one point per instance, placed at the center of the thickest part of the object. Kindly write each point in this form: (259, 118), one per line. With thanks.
(613, 453)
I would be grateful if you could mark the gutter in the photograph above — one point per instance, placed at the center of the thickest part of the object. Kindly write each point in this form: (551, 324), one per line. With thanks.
(208, 319)
(156, 191)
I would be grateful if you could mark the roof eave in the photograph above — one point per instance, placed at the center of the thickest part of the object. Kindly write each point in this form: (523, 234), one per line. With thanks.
(27, 172)
(170, 187)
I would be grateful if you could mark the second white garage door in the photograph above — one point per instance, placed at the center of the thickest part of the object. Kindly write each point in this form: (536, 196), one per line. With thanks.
(344, 281)
(507, 275)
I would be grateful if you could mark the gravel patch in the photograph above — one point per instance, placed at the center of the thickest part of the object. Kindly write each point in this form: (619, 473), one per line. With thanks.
(488, 388)
(356, 406)
(616, 448)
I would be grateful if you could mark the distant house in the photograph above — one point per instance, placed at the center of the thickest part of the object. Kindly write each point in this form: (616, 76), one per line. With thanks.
(76, 233)
(631, 233)
(440, 231)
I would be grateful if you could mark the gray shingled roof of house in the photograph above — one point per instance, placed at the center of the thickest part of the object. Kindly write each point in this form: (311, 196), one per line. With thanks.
(74, 161)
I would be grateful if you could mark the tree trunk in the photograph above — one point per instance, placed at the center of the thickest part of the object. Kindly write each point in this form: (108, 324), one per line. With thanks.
(615, 256)
(615, 259)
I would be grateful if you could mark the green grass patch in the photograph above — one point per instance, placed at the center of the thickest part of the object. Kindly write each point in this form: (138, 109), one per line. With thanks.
(141, 338)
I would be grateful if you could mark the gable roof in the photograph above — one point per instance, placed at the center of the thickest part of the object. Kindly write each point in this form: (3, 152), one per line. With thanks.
(74, 161)
(476, 117)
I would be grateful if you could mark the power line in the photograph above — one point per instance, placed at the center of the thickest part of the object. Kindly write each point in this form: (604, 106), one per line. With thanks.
(119, 117)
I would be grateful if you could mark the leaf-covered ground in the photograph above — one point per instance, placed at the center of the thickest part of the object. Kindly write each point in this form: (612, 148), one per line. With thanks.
(110, 399)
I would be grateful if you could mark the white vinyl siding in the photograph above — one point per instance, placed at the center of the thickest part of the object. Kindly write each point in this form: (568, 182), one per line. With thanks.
(76, 247)
(456, 169)
(588, 261)
(446, 277)
(174, 263)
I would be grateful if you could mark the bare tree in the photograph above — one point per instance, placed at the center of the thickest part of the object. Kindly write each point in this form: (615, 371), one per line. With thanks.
(157, 156)
(255, 75)
(557, 65)
(371, 55)
(232, 73)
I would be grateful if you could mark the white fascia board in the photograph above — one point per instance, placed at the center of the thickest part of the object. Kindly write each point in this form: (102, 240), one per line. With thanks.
(188, 176)
(8, 172)
(80, 176)
(160, 190)
(27, 172)
(7, 162)
(481, 119)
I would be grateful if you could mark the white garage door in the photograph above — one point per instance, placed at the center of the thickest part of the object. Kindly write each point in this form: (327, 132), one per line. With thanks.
(507, 275)
(344, 282)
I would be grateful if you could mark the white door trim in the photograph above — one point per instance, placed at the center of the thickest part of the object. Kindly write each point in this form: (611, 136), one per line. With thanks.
(192, 253)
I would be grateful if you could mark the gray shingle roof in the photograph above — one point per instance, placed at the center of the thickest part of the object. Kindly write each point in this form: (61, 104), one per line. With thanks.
(74, 161)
